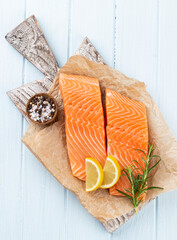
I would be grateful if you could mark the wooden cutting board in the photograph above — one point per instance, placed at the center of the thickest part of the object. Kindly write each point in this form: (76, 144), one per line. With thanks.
(29, 40)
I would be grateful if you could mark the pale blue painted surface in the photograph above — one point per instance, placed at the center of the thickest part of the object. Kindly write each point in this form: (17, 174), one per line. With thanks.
(137, 37)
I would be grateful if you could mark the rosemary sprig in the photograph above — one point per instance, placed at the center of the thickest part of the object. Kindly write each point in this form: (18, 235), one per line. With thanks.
(140, 183)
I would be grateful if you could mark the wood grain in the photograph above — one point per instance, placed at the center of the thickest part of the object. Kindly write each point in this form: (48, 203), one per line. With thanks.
(21, 95)
(29, 40)
(89, 51)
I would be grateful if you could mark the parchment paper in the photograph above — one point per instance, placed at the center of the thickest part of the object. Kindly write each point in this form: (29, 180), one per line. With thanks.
(49, 144)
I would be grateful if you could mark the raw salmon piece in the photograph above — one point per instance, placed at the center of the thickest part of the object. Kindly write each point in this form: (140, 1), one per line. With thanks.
(126, 131)
(84, 121)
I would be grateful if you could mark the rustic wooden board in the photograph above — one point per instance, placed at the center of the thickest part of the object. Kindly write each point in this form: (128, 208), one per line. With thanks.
(41, 56)
(29, 40)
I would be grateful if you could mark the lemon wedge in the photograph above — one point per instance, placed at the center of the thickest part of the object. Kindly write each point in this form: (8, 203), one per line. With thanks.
(111, 172)
(94, 174)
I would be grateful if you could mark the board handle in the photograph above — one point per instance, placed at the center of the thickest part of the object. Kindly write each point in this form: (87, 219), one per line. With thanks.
(28, 39)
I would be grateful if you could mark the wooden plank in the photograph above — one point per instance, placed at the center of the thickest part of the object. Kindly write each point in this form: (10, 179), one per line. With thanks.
(43, 197)
(89, 19)
(96, 26)
(11, 68)
(136, 46)
(167, 99)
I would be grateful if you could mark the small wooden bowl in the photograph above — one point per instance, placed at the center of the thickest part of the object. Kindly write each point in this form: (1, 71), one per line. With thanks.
(43, 95)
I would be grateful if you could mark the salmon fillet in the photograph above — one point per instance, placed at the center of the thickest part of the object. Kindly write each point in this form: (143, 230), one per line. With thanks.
(126, 131)
(84, 121)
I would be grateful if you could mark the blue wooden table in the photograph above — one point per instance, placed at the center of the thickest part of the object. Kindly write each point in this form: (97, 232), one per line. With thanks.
(139, 38)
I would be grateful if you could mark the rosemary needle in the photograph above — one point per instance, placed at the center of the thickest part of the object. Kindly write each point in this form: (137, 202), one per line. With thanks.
(140, 183)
